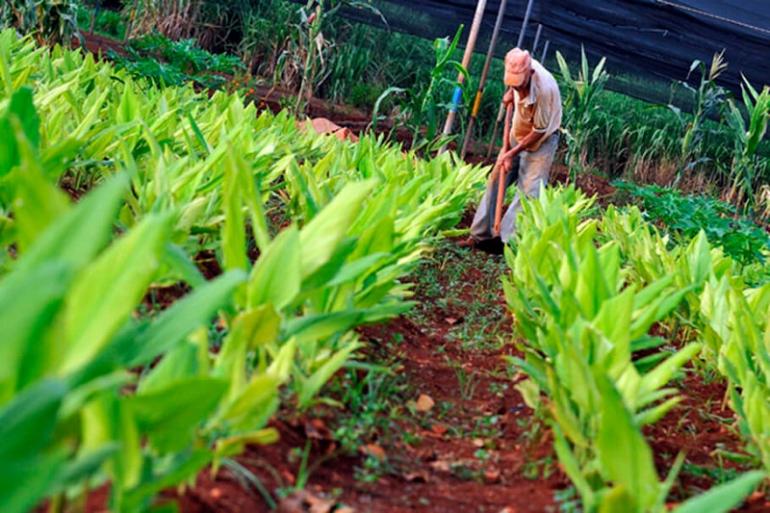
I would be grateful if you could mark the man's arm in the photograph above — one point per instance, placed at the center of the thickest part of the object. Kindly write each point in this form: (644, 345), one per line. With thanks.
(506, 159)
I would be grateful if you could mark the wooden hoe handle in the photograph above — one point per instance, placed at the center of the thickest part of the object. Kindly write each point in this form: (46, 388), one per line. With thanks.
(501, 173)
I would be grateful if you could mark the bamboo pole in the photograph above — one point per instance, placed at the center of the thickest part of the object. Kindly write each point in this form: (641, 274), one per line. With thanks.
(537, 39)
(524, 23)
(545, 51)
(501, 110)
(483, 79)
(469, 46)
(94, 15)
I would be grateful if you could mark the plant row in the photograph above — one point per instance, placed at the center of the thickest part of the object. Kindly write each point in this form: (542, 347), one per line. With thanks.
(587, 295)
(310, 236)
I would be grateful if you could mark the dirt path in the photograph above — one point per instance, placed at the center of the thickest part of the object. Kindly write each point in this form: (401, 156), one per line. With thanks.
(444, 430)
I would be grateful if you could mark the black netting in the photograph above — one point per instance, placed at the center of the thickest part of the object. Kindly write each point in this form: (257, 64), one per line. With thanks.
(653, 38)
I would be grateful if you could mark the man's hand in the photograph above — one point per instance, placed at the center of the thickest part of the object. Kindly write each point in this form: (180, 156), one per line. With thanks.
(506, 164)
(508, 97)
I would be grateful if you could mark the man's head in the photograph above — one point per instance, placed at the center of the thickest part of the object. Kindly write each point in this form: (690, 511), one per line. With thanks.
(518, 69)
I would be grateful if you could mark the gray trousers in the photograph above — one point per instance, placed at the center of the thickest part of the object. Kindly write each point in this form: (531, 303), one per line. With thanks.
(534, 169)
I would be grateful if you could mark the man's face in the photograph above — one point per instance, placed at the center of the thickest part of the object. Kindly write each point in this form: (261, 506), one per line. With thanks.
(524, 86)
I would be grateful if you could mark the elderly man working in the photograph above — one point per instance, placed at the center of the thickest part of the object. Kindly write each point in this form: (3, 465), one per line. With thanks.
(534, 139)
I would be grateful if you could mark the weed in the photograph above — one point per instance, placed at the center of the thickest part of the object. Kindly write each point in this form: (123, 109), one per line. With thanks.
(176, 62)
(718, 474)
(684, 216)
(410, 438)
(486, 426)
(369, 406)
(568, 500)
(372, 470)
(498, 389)
(535, 469)
(467, 380)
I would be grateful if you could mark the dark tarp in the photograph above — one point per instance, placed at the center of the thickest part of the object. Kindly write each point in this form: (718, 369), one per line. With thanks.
(651, 38)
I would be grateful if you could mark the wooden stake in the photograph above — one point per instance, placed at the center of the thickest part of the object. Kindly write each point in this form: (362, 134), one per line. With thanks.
(469, 46)
(545, 51)
(501, 174)
(483, 79)
(537, 39)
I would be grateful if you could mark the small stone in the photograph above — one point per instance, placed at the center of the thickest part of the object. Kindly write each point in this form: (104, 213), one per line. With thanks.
(440, 466)
(424, 403)
(492, 475)
(374, 450)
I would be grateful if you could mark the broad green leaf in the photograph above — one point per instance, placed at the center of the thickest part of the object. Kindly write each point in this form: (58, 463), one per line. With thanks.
(181, 265)
(37, 202)
(321, 235)
(310, 386)
(27, 423)
(79, 234)
(39, 476)
(183, 467)
(26, 428)
(724, 497)
(177, 364)
(105, 294)
(23, 109)
(233, 229)
(170, 415)
(20, 120)
(616, 500)
(85, 466)
(280, 367)
(29, 303)
(129, 108)
(626, 459)
(250, 329)
(194, 310)
(315, 327)
(276, 277)
(104, 421)
(253, 406)
(235, 445)
(664, 372)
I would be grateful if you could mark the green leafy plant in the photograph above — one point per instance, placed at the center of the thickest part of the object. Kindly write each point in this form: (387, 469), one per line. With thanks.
(735, 325)
(66, 422)
(580, 102)
(421, 109)
(747, 165)
(176, 62)
(709, 99)
(582, 319)
(684, 216)
(583, 326)
(52, 21)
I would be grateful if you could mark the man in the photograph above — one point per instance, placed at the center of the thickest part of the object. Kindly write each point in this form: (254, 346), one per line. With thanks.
(534, 139)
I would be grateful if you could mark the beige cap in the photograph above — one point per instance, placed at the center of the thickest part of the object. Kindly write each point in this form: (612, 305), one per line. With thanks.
(518, 65)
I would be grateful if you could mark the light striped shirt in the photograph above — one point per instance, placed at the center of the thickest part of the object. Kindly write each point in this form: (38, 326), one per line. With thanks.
(540, 111)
